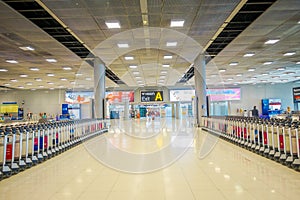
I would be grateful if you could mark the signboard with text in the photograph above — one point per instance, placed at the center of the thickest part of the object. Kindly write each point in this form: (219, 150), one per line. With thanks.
(150, 96)
(296, 94)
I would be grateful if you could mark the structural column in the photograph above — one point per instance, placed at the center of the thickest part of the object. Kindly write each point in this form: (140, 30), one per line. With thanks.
(200, 87)
(177, 110)
(99, 88)
(126, 109)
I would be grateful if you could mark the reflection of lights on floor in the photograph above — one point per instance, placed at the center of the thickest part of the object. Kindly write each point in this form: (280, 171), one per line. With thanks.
(238, 189)
(254, 178)
(217, 169)
(273, 191)
(210, 163)
(227, 177)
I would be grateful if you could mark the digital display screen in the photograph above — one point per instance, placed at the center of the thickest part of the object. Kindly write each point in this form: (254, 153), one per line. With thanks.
(78, 97)
(120, 96)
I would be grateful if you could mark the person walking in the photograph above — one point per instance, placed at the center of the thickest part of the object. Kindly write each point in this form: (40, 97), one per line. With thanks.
(254, 112)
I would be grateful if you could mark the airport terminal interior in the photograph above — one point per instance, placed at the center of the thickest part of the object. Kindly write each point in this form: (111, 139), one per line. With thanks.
(149, 99)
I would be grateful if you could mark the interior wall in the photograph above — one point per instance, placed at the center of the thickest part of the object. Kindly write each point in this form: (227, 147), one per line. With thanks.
(37, 101)
(251, 95)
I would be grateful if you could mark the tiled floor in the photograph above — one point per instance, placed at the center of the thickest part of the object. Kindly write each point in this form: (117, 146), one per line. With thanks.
(227, 172)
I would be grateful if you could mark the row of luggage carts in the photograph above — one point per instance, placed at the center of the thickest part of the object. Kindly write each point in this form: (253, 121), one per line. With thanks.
(25, 145)
(277, 139)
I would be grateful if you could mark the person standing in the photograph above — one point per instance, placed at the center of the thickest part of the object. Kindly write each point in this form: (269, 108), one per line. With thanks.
(254, 112)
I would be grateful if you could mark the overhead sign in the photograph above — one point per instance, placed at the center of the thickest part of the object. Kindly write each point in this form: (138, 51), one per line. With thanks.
(296, 94)
(148, 96)
(120, 96)
(181, 95)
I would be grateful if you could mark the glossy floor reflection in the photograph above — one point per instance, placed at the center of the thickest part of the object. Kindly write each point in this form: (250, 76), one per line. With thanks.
(225, 172)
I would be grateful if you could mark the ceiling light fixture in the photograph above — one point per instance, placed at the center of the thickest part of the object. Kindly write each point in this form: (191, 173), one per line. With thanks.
(272, 41)
(280, 69)
(78, 74)
(177, 23)
(289, 53)
(50, 75)
(222, 70)
(23, 75)
(268, 63)
(3, 70)
(233, 63)
(13, 80)
(166, 65)
(171, 44)
(239, 74)
(163, 72)
(50, 83)
(29, 83)
(229, 79)
(123, 45)
(298, 63)
(28, 48)
(113, 24)
(132, 66)
(12, 61)
(41, 86)
(63, 79)
(88, 79)
(21, 87)
(38, 79)
(128, 58)
(264, 74)
(249, 54)
(6, 84)
(136, 72)
(67, 68)
(251, 70)
(168, 57)
(34, 69)
(51, 60)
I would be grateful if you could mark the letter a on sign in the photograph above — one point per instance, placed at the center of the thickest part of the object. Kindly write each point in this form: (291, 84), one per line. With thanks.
(158, 97)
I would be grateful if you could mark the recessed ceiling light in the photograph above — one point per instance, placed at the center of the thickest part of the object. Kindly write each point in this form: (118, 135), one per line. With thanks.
(264, 74)
(268, 63)
(63, 79)
(23, 75)
(51, 88)
(272, 41)
(297, 77)
(229, 79)
(239, 74)
(34, 69)
(213, 75)
(72, 82)
(6, 84)
(29, 83)
(163, 72)
(171, 44)
(275, 76)
(78, 74)
(13, 80)
(264, 81)
(129, 58)
(33, 89)
(3, 70)
(88, 79)
(298, 22)
(289, 53)
(50, 83)
(162, 76)
(284, 80)
(67, 68)
(249, 54)
(132, 66)
(12, 61)
(50, 74)
(28, 48)
(41, 86)
(177, 23)
(123, 45)
(113, 24)
(251, 70)
(21, 87)
(166, 65)
(298, 63)
(38, 79)
(281, 69)
(233, 63)
(138, 77)
(222, 70)
(51, 60)
(168, 57)
(136, 72)
(253, 78)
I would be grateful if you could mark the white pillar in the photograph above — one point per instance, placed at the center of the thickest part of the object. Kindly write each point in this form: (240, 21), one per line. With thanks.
(173, 110)
(200, 86)
(177, 110)
(126, 109)
(99, 88)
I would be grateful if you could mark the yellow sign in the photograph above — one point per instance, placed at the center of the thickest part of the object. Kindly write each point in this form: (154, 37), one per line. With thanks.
(158, 97)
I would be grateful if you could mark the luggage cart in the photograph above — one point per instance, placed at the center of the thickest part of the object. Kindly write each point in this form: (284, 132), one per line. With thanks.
(22, 152)
(296, 162)
(12, 140)
(28, 149)
(5, 169)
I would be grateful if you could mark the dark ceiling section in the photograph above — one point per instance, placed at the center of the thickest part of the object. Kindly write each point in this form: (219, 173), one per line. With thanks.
(40, 17)
(251, 10)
